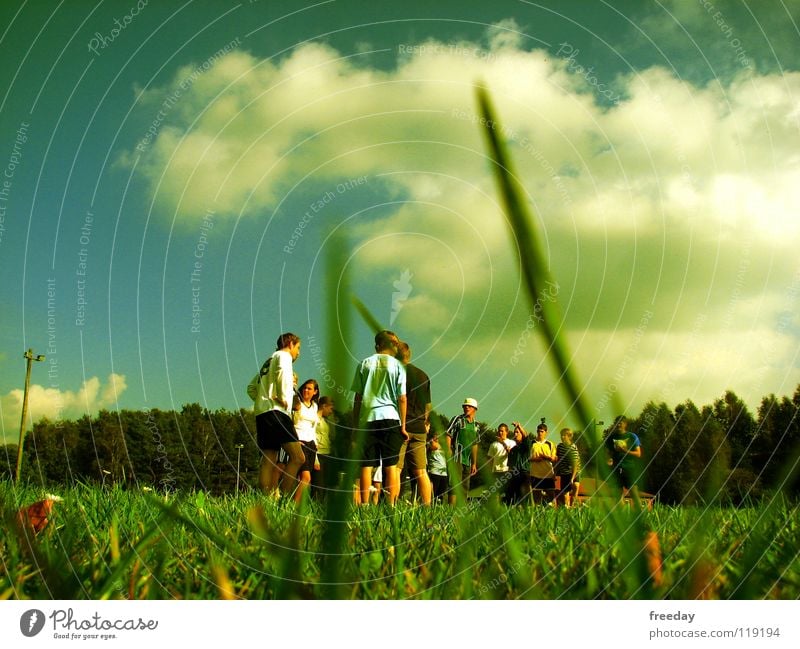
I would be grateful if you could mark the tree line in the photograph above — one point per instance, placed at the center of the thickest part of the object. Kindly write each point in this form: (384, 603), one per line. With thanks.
(691, 455)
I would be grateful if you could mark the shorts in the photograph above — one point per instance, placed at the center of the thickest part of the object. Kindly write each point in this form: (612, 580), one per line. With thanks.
(384, 443)
(567, 484)
(501, 480)
(626, 476)
(439, 484)
(543, 484)
(519, 486)
(274, 429)
(462, 476)
(310, 453)
(415, 455)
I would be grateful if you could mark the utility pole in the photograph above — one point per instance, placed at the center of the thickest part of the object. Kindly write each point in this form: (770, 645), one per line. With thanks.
(239, 448)
(30, 358)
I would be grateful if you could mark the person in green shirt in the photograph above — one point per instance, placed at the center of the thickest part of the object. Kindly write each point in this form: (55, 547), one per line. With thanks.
(625, 453)
(462, 440)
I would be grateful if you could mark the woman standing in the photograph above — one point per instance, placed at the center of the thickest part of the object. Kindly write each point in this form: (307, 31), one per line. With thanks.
(305, 417)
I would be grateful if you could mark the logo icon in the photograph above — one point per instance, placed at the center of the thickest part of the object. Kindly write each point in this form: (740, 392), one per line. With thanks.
(402, 291)
(31, 622)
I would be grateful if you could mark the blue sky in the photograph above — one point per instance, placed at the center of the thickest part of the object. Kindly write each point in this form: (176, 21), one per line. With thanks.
(162, 158)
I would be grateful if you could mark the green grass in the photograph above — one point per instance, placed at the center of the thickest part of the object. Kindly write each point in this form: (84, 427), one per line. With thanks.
(114, 544)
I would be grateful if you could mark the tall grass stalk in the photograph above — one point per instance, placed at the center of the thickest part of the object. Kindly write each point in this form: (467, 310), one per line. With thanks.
(339, 497)
(629, 530)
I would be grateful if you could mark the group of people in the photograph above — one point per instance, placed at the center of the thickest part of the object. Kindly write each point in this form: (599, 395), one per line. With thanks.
(391, 428)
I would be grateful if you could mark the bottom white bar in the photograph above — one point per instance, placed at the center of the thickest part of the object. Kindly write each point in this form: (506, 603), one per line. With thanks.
(122, 624)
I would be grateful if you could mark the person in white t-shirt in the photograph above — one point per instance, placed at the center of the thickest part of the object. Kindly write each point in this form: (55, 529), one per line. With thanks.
(379, 409)
(498, 458)
(272, 391)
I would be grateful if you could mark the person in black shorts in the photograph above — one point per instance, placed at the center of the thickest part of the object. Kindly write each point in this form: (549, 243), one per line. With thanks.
(379, 407)
(272, 390)
(418, 392)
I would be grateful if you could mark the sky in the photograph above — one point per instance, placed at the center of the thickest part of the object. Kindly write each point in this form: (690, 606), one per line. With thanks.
(178, 179)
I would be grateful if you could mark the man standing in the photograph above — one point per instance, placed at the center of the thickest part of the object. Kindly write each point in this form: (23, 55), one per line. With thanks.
(462, 439)
(624, 449)
(272, 390)
(418, 388)
(379, 407)
(498, 458)
(543, 455)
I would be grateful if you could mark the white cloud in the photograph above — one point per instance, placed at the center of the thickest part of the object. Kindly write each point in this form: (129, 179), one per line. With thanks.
(247, 130)
(55, 404)
(676, 174)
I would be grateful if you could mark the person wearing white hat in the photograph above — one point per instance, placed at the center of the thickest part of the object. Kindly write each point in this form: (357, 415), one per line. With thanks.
(462, 439)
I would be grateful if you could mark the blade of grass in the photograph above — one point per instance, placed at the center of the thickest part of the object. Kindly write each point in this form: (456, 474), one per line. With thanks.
(365, 313)
(534, 268)
(537, 278)
(339, 498)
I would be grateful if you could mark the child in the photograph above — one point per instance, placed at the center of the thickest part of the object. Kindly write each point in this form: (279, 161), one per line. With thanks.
(568, 469)
(437, 469)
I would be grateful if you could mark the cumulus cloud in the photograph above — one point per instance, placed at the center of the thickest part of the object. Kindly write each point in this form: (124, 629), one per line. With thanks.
(55, 404)
(647, 202)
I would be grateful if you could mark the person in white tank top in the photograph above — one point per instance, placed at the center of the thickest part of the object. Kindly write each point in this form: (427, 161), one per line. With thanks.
(305, 418)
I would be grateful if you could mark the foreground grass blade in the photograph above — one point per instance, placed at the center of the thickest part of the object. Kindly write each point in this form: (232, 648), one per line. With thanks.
(534, 268)
(630, 533)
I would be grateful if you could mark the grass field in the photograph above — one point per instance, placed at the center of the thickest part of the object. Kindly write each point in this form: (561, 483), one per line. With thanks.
(114, 544)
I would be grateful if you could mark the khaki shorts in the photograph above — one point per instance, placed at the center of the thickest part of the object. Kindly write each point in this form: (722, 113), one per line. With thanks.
(413, 453)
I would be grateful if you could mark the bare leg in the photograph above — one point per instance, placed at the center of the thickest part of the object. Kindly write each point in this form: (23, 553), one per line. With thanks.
(277, 475)
(391, 482)
(266, 470)
(304, 479)
(375, 492)
(454, 482)
(296, 458)
(424, 485)
(366, 482)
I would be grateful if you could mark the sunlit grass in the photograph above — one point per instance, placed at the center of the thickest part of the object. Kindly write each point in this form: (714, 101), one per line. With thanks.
(114, 544)
(251, 547)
